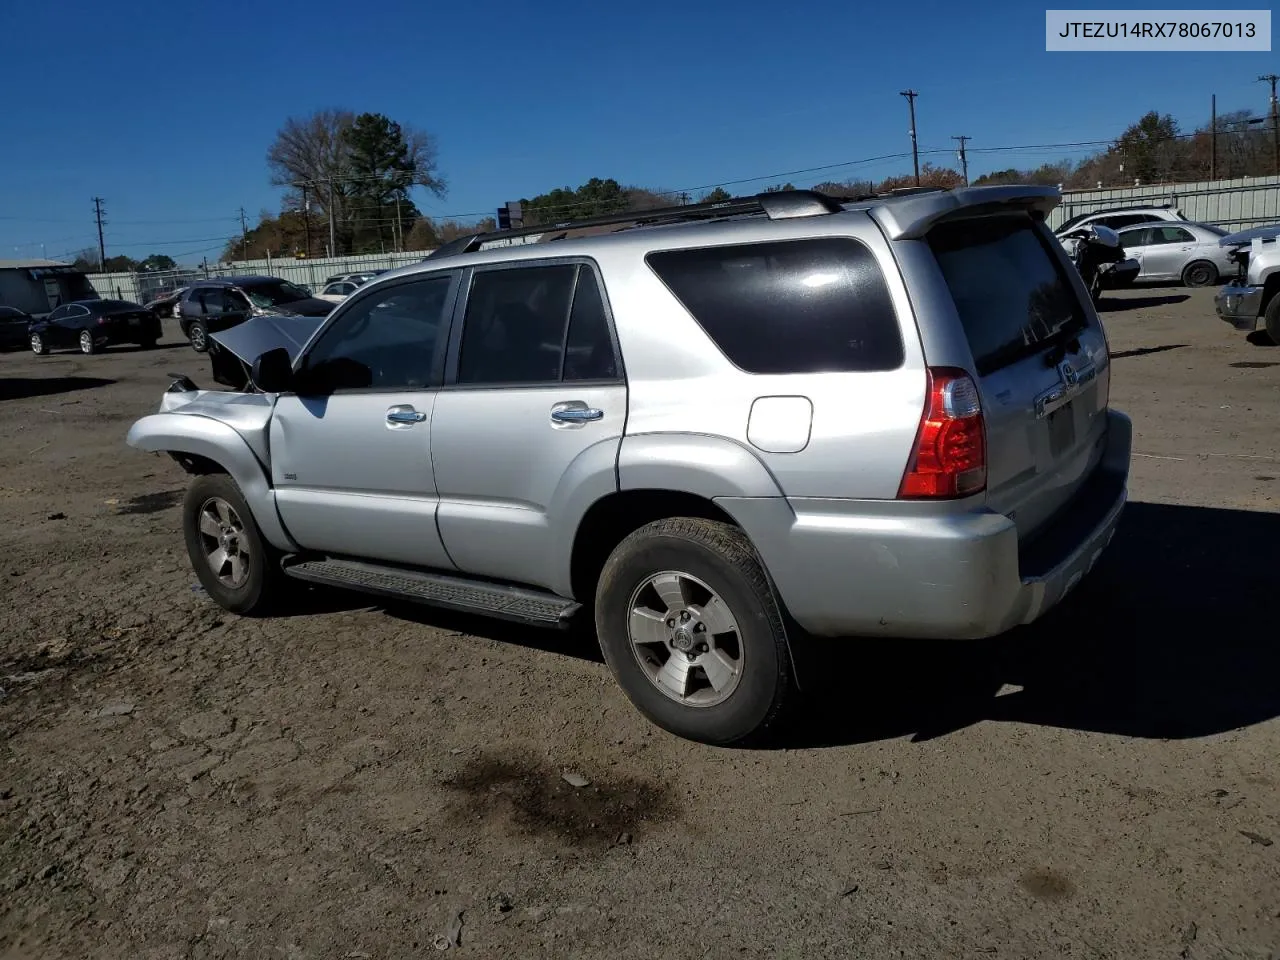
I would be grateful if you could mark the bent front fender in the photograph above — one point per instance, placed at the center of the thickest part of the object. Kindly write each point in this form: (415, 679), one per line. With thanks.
(214, 440)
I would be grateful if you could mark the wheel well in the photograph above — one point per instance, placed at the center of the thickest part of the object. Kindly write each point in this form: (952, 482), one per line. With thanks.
(1270, 289)
(195, 464)
(612, 518)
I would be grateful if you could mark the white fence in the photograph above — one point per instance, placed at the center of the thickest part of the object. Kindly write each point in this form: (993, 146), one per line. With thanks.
(1231, 204)
(141, 287)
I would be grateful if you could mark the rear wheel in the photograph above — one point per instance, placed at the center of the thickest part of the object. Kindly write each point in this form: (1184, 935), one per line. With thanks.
(38, 346)
(689, 625)
(1202, 273)
(199, 336)
(1272, 319)
(86, 342)
(236, 566)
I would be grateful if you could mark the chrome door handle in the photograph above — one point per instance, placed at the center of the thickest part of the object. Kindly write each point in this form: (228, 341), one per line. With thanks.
(405, 415)
(575, 411)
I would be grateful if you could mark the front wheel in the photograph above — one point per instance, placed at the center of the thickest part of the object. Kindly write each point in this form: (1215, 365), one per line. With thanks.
(1199, 274)
(38, 346)
(236, 566)
(1271, 319)
(690, 627)
(87, 345)
(199, 336)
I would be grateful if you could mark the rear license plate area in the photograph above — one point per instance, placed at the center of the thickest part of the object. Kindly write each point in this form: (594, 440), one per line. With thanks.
(135, 321)
(1062, 430)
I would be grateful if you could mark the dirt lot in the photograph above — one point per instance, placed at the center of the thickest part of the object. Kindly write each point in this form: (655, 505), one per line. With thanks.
(177, 782)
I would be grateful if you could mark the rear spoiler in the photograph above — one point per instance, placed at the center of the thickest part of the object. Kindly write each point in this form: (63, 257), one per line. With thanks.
(911, 217)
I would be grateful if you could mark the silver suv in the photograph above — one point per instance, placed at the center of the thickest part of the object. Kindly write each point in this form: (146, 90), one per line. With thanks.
(709, 433)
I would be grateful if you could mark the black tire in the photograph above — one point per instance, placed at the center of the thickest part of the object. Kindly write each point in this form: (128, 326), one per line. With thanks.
(198, 334)
(38, 345)
(722, 558)
(87, 346)
(265, 585)
(1201, 273)
(1271, 319)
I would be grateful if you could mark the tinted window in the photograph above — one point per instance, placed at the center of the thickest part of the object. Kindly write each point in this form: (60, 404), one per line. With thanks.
(11, 313)
(589, 347)
(1171, 235)
(60, 312)
(1135, 238)
(799, 306)
(1124, 220)
(515, 325)
(234, 300)
(211, 299)
(385, 341)
(1011, 294)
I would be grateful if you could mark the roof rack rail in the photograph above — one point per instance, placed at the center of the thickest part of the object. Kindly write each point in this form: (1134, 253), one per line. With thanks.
(778, 205)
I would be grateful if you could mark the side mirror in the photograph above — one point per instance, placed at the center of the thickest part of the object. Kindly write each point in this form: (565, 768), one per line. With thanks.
(273, 371)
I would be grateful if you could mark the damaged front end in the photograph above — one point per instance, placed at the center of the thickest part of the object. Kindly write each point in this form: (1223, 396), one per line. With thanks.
(232, 351)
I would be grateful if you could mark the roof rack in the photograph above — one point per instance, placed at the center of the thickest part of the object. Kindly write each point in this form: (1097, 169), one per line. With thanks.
(778, 205)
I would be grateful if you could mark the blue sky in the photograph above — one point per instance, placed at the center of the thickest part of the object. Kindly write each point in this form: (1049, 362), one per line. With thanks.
(166, 110)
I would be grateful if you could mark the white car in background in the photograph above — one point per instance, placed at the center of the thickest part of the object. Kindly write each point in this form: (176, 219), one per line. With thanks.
(1183, 251)
(337, 292)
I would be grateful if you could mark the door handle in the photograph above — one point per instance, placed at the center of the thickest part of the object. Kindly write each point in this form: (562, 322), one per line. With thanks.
(575, 411)
(405, 416)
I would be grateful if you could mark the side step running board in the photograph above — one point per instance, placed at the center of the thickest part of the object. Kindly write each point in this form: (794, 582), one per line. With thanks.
(455, 593)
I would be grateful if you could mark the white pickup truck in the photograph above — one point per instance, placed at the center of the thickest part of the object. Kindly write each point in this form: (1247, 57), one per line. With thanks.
(1255, 293)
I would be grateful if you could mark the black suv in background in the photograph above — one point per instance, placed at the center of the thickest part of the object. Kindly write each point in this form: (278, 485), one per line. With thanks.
(213, 305)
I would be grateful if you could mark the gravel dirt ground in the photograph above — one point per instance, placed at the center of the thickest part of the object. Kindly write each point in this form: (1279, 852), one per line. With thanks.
(348, 782)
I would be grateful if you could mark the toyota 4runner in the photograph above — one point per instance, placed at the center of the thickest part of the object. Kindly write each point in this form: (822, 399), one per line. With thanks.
(707, 430)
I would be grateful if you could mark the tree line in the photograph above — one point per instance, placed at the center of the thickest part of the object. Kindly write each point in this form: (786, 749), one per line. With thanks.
(352, 177)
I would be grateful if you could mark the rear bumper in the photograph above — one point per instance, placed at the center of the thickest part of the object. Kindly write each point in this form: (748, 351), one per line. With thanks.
(866, 568)
(1239, 305)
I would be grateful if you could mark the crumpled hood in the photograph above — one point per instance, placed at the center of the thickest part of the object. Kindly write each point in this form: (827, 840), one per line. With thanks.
(249, 340)
(1248, 236)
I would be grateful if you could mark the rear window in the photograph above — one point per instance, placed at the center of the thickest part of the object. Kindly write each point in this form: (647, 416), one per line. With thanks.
(793, 306)
(1012, 295)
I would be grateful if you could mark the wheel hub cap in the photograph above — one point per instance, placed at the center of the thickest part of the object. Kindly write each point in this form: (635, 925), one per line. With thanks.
(685, 639)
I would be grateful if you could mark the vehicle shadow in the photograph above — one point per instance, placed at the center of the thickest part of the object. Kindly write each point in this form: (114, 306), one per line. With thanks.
(1117, 305)
(1260, 338)
(1171, 637)
(20, 388)
(1143, 351)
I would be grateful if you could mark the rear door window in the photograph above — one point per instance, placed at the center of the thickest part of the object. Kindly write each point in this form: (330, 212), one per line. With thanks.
(792, 306)
(1012, 295)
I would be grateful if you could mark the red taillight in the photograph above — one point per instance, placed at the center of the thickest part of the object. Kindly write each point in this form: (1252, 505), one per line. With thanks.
(950, 457)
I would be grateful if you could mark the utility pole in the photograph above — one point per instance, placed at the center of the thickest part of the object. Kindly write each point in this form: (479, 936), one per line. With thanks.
(333, 243)
(244, 233)
(1271, 78)
(1213, 138)
(306, 217)
(398, 233)
(102, 247)
(915, 150)
(964, 160)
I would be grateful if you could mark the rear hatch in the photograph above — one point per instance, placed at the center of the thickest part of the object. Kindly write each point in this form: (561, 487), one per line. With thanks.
(1041, 360)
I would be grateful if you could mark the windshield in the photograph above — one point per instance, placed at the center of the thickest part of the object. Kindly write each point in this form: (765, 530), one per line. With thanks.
(273, 294)
(1010, 292)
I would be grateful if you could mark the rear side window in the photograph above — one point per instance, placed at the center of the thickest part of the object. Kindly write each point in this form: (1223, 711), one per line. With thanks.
(1011, 293)
(792, 306)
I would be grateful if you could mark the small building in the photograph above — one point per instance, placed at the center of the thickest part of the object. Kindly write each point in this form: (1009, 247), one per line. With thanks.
(37, 287)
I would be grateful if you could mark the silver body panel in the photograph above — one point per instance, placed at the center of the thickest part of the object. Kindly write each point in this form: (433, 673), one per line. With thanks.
(488, 484)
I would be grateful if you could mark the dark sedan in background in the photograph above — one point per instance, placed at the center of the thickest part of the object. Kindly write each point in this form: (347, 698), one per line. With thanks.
(91, 325)
(213, 305)
(13, 328)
